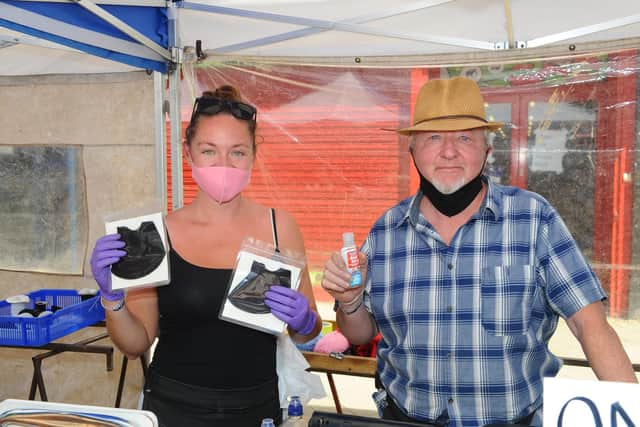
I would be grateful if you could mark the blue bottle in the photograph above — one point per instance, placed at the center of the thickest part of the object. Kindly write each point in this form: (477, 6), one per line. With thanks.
(267, 422)
(294, 411)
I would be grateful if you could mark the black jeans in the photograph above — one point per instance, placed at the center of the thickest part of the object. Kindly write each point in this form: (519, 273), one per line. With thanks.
(177, 404)
(393, 412)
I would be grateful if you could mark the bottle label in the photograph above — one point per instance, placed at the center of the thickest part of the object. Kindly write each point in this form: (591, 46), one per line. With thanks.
(351, 259)
(356, 279)
(350, 256)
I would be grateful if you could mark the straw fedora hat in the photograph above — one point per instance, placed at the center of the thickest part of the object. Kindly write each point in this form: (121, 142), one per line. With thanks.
(449, 105)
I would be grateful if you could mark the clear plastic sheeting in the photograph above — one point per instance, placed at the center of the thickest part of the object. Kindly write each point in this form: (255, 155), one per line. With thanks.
(571, 135)
(43, 209)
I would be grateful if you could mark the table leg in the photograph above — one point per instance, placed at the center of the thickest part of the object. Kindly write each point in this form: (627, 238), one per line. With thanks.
(32, 391)
(37, 372)
(334, 393)
(123, 373)
(37, 381)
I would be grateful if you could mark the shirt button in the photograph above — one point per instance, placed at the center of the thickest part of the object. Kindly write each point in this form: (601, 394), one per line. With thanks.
(450, 266)
(451, 400)
(449, 355)
(449, 308)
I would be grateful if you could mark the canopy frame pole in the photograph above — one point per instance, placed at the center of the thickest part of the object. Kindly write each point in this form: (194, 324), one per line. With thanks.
(308, 31)
(125, 28)
(339, 26)
(173, 80)
(583, 31)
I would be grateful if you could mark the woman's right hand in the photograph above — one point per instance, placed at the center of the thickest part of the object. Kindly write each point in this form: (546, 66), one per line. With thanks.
(336, 278)
(107, 251)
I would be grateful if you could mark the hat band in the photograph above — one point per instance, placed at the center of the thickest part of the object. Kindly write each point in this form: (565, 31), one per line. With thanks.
(453, 117)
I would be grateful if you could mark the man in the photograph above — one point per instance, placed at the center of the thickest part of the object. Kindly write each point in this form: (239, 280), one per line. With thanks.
(466, 281)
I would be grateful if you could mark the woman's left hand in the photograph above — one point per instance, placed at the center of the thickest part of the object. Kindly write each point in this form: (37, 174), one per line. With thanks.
(292, 308)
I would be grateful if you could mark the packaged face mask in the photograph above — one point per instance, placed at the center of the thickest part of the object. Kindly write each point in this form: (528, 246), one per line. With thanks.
(248, 295)
(146, 262)
(258, 267)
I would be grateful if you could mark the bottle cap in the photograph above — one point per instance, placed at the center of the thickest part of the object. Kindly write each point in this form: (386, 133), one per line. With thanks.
(348, 239)
(267, 422)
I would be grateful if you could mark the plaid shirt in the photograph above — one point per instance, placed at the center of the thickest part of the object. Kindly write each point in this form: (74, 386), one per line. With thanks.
(465, 327)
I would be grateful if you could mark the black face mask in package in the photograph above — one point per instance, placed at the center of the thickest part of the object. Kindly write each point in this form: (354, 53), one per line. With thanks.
(249, 294)
(144, 248)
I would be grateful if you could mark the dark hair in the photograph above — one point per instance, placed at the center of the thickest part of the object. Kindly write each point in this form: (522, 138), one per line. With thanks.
(225, 93)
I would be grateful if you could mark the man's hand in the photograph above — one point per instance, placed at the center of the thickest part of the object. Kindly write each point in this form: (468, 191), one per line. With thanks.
(336, 278)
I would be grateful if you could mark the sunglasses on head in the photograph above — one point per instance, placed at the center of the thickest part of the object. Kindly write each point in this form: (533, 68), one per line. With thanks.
(211, 106)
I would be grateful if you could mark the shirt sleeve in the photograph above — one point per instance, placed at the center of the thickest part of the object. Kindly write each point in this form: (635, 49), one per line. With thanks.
(569, 281)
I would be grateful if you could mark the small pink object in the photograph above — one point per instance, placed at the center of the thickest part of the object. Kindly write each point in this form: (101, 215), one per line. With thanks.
(333, 342)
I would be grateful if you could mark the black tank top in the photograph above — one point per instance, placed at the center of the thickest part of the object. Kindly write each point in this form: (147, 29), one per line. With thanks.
(194, 346)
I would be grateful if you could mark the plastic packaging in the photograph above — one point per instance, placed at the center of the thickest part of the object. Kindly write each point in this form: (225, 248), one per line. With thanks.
(349, 254)
(258, 266)
(293, 377)
(143, 231)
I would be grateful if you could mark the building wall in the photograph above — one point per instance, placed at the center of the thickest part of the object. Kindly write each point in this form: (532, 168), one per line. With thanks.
(111, 118)
(338, 176)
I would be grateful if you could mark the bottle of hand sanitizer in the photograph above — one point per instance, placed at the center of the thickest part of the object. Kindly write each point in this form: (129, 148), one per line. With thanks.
(349, 254)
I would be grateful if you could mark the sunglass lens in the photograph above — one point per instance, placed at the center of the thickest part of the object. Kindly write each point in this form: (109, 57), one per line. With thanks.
(214, 105)
(242, 111)
(211, 109)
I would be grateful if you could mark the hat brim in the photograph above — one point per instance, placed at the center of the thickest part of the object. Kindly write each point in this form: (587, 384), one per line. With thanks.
(449, 124)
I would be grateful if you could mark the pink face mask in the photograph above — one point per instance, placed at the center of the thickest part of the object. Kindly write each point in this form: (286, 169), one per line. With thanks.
(221, 183)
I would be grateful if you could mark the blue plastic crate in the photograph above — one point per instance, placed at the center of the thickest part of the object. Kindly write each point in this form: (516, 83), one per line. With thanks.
(75, 314)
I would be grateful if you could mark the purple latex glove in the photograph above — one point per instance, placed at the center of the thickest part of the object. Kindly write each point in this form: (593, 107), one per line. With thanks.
(292, 308)
(106, 252)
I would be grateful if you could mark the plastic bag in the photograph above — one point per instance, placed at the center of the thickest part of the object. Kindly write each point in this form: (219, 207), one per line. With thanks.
(293, 378)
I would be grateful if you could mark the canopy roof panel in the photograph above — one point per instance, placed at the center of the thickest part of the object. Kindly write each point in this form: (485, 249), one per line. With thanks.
(128, 34)
(381, 28)
(136, 33)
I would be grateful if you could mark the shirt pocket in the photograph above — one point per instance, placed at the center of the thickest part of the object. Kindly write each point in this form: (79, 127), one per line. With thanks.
(507, 296)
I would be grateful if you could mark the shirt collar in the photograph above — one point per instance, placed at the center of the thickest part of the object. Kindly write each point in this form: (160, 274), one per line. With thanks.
(413, 211)
(493, 200)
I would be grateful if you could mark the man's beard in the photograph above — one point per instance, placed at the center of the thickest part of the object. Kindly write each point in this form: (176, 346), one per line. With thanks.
(449, 188)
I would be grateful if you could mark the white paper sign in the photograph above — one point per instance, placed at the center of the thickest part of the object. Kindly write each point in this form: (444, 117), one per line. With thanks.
(583, 403)
(549, 150)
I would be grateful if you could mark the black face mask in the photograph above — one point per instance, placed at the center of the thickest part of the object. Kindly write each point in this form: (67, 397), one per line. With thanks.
(249, 294)
(454, 203)
(144, 248)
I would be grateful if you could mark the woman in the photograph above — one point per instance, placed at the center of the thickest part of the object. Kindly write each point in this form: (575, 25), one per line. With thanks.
(207, 371)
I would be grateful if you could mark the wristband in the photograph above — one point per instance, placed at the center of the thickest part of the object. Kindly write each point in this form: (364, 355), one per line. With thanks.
(356, 300)
(119, 306)
(353, 310)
